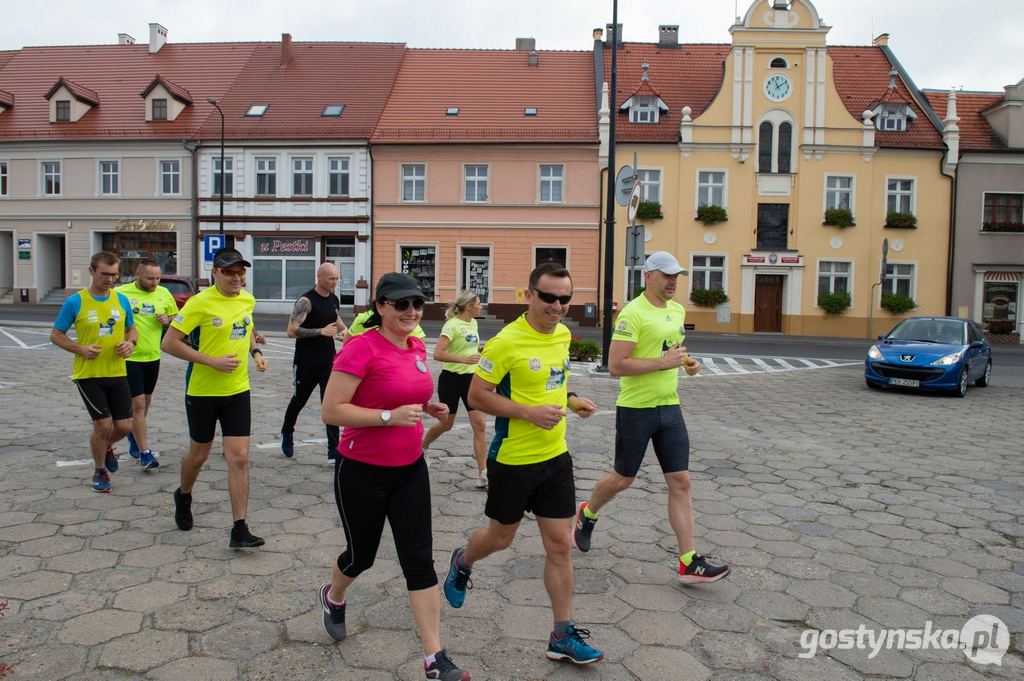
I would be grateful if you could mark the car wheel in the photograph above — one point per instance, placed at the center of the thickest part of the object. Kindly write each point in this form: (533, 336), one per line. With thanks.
(961, 387)
(985, 377)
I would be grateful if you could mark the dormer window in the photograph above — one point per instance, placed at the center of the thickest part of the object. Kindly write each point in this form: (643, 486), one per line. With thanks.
(63, 110)
(779, 63)
(893, 118)
(257, 110)
(70, 101)
(644, 110)
(159, 109)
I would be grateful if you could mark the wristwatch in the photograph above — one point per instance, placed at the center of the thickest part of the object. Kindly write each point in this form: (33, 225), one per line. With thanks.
(385, 417)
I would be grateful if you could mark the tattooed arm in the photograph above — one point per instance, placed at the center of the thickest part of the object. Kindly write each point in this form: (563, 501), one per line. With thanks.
(299, 312)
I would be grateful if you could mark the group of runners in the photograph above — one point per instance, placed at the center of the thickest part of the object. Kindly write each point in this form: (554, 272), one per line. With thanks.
(376, 392)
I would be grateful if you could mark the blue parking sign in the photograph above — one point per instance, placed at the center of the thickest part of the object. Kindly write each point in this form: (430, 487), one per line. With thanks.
(211, 244)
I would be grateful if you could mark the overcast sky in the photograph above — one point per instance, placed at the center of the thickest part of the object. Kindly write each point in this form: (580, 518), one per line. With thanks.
(976, 45)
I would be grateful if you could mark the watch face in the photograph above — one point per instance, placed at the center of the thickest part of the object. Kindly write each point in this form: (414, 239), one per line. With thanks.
(777, 87)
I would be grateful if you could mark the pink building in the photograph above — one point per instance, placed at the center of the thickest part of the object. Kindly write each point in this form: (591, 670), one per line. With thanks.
(485, 164)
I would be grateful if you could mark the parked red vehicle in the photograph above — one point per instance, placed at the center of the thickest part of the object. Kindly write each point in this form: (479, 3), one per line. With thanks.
(181, 288)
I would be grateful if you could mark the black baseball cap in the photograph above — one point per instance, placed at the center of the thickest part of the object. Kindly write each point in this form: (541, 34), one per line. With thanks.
(227, 257)
(395, 286)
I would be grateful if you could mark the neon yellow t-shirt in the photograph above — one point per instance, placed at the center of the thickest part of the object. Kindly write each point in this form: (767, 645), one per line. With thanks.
(356, 328)
(97, 322)
(654, 330)
(529, 368)
(217, 325)
(146, 305)
(463, 340)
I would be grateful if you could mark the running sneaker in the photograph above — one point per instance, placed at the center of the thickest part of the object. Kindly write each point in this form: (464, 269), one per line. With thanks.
(101, 482)
(147, 460)
(133, 447)
(457, 581)
(699, 570)
(481, 480)
(288, 444)
(583, 529)
(242, 538)
(110, 460)
(443, 668)
(332, 453)
(182, 510)
(334, 615)
(573, 648)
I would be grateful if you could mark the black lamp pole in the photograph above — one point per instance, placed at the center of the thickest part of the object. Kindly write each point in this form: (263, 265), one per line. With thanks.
(213, 101)
(609, 231)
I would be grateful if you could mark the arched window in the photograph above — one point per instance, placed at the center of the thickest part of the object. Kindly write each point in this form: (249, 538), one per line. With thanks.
(779, 63)
(765, 145)
(785, 146)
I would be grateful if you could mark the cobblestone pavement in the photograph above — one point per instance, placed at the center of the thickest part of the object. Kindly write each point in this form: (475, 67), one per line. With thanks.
(836, 506)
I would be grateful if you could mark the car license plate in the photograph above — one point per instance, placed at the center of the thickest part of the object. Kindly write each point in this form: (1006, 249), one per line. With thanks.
(905, 382)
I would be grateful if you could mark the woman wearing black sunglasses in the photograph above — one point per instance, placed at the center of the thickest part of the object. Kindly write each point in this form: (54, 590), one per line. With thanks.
(379, 391)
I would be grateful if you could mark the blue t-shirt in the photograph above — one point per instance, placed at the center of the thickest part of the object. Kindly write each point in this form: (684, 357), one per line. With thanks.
(73, 305)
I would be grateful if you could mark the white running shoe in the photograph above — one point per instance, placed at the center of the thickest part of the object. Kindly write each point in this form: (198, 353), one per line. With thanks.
(481, 480)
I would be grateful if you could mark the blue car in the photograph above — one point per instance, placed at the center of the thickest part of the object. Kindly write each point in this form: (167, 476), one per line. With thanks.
(930, 353)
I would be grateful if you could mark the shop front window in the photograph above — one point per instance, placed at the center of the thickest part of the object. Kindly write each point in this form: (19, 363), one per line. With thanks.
(132, 247)
(283, 268)
(421, 263)
(1000, 302)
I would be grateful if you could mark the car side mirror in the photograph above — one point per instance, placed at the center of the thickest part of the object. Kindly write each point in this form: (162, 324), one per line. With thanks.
(977, 344)
(881, 336)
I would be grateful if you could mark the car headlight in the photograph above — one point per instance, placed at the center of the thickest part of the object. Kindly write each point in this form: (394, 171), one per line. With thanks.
(948, 360)
(874, 352)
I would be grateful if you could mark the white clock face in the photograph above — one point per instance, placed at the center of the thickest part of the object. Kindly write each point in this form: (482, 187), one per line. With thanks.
(777, 87)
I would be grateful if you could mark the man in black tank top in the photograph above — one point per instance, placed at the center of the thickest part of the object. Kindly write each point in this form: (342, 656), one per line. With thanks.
(314, 324)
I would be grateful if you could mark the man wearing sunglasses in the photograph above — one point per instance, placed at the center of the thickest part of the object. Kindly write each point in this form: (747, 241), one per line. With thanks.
(522, 380)
(646, 353)
(105, 336)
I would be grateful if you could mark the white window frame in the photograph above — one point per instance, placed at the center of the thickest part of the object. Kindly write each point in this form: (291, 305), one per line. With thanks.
(852, 190)
(477, 181)
(101, 175)
(890, 280)
(57, 108)
(5, 177)
(167, 109)
(776, 118)
(644, 110)
(550, 180)
(172, 174)
(313, 259)
(651, 188)
(308, 162)
(343, 170)
(564, 247)
(832, 276)
(413, 179)
(913, 192)
(264, 161)
(892, 118)
(725, 186)
(59, 175)
(695, 271)
(229, 162)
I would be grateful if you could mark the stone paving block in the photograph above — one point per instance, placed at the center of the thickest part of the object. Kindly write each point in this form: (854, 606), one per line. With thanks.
(196, 669)
(725, 650)
(773, 606)
(650, 663)
(153, 556)
(259, 562)
(27, 531)
(194, 615)
(815, 669)
(241, 639)
(23, 633)
(34, 585)
(121, 541)
(52, 662)
(109, 581)
(276, 606)
(67, 604)
(86, 560)
(145, 650)
(820, 593)
(97, 627)
(96, 528)
(975, 591)
(719, 616)
(150, 597)
(12, 566)
(659, 628)
(190, 571)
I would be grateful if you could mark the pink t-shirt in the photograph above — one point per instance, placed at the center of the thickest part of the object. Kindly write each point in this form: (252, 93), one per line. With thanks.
(391, 377)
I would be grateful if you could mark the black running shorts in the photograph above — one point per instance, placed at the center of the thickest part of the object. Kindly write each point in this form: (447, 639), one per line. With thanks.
(106, 397)
(232, 411)
(142, 377)
(548, 489)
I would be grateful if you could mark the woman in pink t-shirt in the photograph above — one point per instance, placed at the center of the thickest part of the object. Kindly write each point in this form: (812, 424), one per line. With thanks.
(379, 391)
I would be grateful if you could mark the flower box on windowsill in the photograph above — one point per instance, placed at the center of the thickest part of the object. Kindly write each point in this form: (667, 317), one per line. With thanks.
(901, 221)
(710, 215)
(839, 217)
(649, 210)
(1010, 227)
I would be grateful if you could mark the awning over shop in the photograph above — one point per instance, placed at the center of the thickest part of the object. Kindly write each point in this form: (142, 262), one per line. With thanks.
(1002, 276)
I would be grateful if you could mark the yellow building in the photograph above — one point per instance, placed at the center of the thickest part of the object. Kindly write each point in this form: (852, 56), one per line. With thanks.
(785, 134)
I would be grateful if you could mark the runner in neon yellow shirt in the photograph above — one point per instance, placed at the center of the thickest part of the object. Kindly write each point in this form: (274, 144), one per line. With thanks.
(213, 332)
(153, 308)
(357, 326)
(647, 352)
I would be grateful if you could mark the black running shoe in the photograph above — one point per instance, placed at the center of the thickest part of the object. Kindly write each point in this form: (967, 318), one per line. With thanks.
(242, 538)
(182, 510)
(334, 615)
(700, 570)
(582, 530)
(444, 669)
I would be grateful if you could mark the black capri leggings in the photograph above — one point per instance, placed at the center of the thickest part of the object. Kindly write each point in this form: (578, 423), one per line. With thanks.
(366, 495)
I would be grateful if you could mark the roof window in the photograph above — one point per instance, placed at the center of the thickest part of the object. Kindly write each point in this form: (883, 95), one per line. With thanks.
(257, 110)
(530, 111)
(452, 111)
(333, 110)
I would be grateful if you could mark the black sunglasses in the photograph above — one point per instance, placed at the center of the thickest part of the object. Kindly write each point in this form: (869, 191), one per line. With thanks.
(403, 304)
(550, 298)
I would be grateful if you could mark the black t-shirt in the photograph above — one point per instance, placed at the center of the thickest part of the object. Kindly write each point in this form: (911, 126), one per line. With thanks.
(319, 349)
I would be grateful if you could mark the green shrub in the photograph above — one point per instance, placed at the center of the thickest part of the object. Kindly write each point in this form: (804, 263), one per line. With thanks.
(705, 297)
(834, 304)
(901, 220)
(583, 349)
(897, 303)
(709, 215)
(838, 217)
(648, 210)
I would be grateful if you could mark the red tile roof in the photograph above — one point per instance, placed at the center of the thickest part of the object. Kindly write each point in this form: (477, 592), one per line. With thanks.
(491, 88)
(176, 91)
(687, 75)
(975, 132)
(862, 79)
(6, 56)
(79, 92)
(358, 75)
(6, 98)
(116, 73)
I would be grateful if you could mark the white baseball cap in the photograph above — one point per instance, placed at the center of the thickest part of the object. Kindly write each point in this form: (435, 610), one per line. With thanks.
(664, 262)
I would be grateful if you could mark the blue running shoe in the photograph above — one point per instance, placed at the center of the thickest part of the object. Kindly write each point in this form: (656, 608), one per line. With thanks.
(110, 460)
(573, 648)
(288, 444)
(457, 581)
(147, 460)
(101, 482)
(133, 447)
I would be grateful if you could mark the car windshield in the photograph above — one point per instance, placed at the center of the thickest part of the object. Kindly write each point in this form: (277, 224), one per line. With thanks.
(175, 287)
(930, 331)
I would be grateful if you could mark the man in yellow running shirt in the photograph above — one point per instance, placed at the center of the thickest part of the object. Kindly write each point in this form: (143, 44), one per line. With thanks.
(213, 333)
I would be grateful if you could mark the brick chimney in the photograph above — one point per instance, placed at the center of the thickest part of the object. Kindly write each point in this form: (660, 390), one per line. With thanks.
(286, 49)
(668, 35)
(526, 44)
(614, 33)
(881, 41)
(125, 39)
(157, 38)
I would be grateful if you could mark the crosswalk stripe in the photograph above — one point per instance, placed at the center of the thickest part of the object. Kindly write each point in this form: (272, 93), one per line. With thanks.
(763, 364)
(784, 364)
(809, 363)
(710, 364)
(736, 366)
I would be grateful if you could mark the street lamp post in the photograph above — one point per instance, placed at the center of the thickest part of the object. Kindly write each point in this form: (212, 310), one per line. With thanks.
(213, 101)
(609, 232)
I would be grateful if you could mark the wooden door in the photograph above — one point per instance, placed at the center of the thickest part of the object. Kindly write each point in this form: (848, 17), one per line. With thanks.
(768, 303)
